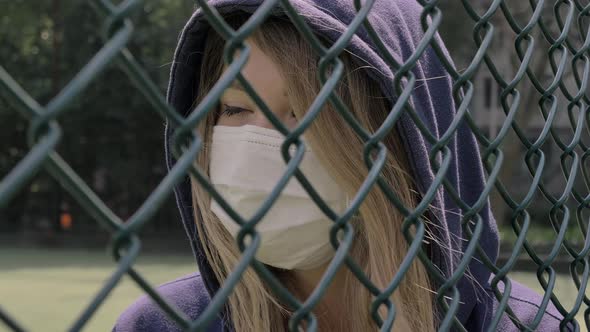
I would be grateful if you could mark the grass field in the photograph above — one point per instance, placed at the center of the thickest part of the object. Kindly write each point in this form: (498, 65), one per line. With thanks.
(45, 290)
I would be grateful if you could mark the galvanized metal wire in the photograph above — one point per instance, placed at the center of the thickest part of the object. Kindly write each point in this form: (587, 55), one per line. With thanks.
(44, 133)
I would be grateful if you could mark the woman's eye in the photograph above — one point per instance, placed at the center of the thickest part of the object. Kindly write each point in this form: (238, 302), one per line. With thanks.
(232, 110)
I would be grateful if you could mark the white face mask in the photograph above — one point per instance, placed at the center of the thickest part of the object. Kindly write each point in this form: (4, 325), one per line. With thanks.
(246, 164)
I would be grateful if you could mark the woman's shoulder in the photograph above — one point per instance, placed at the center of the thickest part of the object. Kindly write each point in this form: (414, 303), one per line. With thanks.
(525, 304)
(186, 294)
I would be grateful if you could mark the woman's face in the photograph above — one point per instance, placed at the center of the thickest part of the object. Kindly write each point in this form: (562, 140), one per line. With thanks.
(238, 109)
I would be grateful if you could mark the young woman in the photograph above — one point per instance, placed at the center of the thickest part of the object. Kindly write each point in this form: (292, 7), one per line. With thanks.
(242, 159)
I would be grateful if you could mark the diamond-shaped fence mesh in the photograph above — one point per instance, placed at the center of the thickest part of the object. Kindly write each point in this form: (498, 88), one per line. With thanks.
(567, 52)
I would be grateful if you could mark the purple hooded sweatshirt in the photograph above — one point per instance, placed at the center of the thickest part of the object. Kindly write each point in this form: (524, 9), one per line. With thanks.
(398, 24)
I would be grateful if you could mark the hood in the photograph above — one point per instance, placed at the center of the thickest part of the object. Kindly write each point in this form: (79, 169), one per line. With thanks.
(398, 24)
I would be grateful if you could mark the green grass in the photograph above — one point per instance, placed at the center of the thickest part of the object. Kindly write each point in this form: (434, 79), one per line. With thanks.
(45, 290)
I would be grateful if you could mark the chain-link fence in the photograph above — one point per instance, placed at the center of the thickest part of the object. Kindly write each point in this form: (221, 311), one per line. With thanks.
(560, 30)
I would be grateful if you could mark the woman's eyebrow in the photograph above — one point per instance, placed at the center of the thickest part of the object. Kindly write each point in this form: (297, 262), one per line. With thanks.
(236, 85)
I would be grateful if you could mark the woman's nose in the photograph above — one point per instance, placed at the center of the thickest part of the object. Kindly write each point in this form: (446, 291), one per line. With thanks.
(260, 120)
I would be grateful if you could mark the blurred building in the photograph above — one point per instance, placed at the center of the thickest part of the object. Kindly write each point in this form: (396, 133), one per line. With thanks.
(489, 114)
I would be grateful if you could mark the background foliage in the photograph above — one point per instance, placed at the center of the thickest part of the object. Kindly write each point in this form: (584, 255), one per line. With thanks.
(111, 138)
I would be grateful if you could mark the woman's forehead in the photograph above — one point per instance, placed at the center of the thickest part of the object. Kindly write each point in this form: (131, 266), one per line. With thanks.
(261, 72)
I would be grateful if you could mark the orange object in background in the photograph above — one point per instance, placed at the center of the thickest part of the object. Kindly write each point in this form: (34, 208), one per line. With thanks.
(65, 221)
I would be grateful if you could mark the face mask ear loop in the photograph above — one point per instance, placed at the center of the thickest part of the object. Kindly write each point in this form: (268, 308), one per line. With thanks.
(347, 199)
(347, 202)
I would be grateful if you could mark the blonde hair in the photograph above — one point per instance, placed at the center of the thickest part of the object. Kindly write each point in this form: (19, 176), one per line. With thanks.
(379, 245)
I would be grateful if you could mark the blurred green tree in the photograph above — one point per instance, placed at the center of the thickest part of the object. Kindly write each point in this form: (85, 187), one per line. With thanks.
(111, 136)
